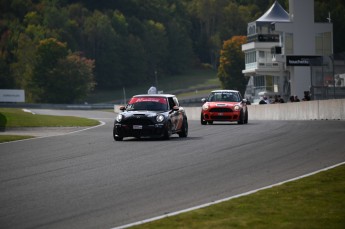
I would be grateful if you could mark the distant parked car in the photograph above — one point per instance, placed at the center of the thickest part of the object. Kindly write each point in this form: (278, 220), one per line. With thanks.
(224, 105)
(151, 115)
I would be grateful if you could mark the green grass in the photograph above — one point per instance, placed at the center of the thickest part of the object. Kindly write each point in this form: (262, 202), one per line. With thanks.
(12, 117)
(317, 201)
(9, 138)
(190, 80)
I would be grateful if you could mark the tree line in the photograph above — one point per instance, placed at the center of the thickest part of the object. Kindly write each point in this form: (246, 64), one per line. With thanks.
(60, 50)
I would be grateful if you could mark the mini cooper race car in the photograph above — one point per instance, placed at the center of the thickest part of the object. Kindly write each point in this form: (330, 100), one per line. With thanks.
(224, 105)
(151, 115)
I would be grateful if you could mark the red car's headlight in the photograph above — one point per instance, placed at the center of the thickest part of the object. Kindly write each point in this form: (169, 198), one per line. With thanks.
(205, 107)
(237, 108)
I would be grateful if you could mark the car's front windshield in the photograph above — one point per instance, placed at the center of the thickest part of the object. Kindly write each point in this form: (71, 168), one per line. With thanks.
(147, 104)
(224, 96)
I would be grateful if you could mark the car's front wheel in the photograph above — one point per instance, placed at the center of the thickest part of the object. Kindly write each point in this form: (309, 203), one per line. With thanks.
(202, 120)
(117, 137)
(241, 119)
(184, 129)
(168, 131)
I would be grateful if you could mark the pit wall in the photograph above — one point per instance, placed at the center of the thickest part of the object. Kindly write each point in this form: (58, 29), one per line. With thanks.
(311, 110)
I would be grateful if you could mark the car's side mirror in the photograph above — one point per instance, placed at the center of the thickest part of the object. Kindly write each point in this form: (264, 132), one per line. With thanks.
(175, 108)
(246, 101)
(203, 100)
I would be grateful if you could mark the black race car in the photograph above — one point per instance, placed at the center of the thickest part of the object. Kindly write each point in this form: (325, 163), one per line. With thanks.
(151, 115)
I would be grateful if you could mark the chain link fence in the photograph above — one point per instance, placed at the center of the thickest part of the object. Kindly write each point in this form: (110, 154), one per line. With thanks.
(328, 77)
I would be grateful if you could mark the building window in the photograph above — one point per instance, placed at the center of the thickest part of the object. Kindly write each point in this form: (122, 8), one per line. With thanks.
(261, 54)
(262, 57)
(251, 29)
(288, 43)
(250, 57)
(259, 81)
(267, 83)
(323, 44)
(270, 83)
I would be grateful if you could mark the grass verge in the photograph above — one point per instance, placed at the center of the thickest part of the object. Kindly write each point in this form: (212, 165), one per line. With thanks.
(9, 138)
(317, 201)
(12, 117)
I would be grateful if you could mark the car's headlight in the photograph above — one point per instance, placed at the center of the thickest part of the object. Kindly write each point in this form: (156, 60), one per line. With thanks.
(205, 107)
(160, 118)
(237, 108)
(119, 117)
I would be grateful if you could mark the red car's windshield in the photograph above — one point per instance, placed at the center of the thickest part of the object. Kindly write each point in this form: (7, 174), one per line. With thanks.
(148, 104)
(224, 96)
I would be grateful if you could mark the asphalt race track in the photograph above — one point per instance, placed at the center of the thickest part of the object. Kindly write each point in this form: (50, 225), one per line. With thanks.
(87, 180)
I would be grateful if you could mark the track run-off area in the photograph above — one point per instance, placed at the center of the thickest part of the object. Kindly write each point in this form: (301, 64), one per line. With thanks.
(85, 179)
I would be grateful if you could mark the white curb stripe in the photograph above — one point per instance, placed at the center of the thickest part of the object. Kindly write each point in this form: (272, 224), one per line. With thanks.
(226, 199)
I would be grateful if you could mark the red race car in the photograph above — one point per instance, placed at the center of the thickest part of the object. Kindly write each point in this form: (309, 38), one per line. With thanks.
(224, 105)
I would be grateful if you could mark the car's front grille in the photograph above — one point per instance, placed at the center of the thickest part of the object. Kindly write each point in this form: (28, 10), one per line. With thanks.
(220, 109)
(220, 118)
(138, 120)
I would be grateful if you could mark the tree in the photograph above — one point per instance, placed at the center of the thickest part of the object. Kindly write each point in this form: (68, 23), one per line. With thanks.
(231, 64)
(102, 44)
(180, 48)
(156, 46)
(59, 77)
(73, 79)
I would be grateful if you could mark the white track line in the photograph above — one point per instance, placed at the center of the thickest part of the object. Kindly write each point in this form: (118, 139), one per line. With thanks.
(226, 199)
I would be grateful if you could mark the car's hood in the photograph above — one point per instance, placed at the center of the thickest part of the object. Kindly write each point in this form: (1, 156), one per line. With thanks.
(222, 104)
(145, 113)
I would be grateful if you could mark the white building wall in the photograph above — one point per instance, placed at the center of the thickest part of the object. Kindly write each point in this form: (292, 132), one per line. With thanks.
(302, 15)
(300, 81)
(304, 31)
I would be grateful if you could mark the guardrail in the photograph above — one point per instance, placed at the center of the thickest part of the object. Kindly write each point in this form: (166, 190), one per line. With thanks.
(333, 109)
(311, 110)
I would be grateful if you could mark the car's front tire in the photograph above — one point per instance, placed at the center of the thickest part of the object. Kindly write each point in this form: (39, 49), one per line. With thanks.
(241, 119)
(184, 129)
(116, 137)
(202, 120)
(246, 118)
(168, 131)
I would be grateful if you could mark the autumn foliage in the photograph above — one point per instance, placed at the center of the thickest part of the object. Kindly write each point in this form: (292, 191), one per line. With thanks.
(232, 64)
